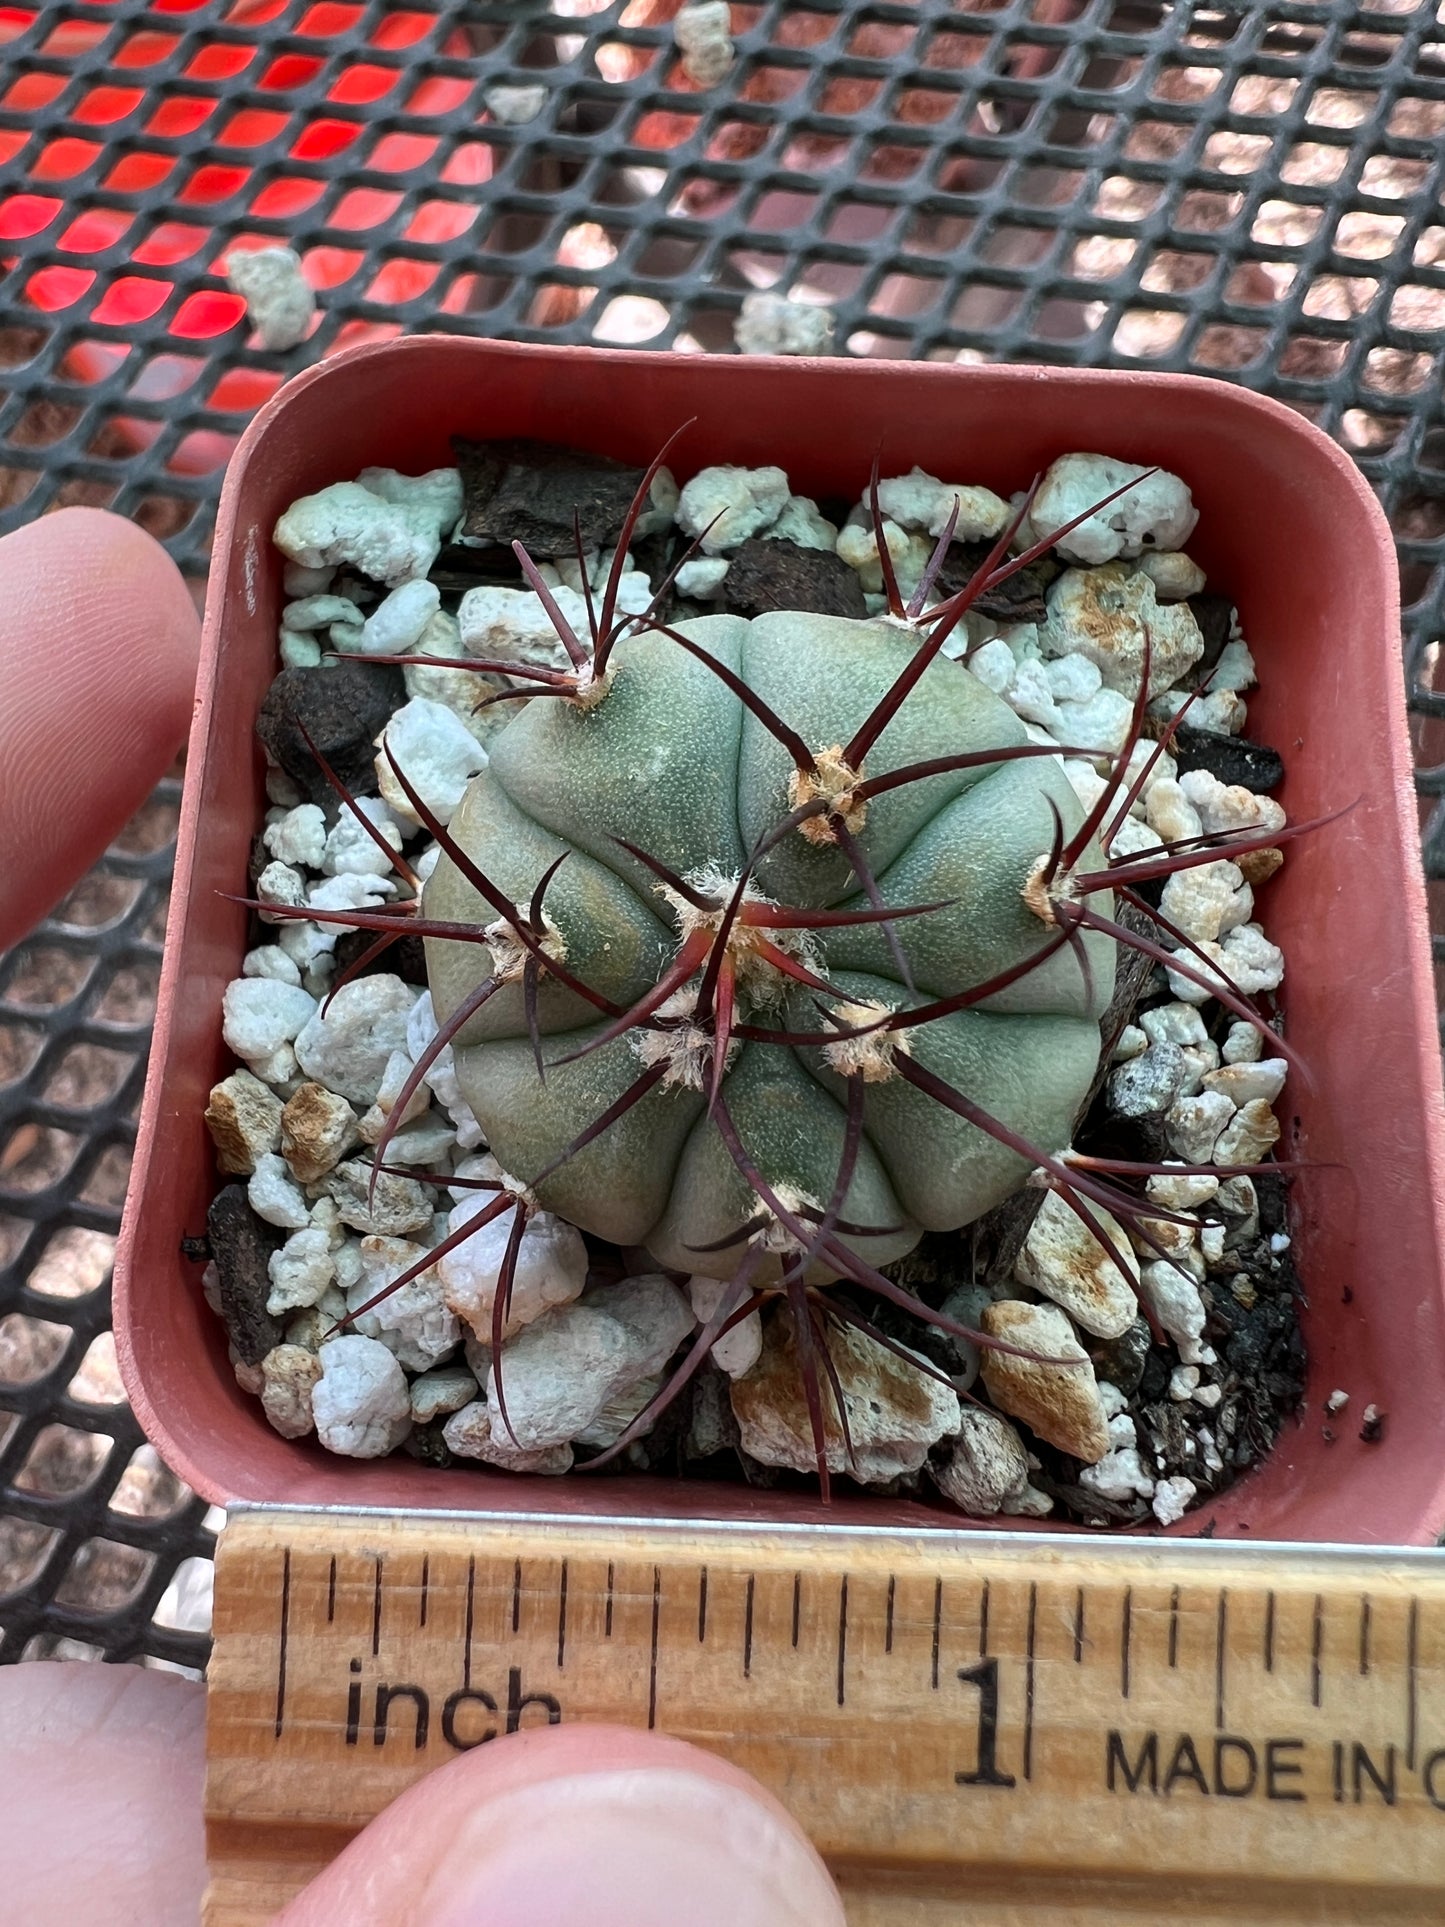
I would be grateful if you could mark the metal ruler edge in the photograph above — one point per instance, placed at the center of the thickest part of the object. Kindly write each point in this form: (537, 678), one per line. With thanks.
(1047, 1728)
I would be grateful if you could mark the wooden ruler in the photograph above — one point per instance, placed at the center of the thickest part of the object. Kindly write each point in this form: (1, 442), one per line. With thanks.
(1006, 1729)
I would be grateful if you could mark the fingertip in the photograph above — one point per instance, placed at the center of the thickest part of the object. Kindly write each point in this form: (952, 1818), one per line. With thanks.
(604, 1824)
(98, 645)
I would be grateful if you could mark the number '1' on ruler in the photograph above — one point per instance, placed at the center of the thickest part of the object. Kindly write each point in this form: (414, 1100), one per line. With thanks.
(1032, 1729)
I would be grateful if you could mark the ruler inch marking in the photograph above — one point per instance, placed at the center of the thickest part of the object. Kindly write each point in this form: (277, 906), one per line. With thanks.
(562, 1616)
(1269, 1631)
(376, 1608)
(607, 1612)
(843, 1640)
(1365, 1636)
(1029, 1683)
(1078, 1625)
(1173, 1629)
(983, 1622)
(937, 1627)
(516, 1595)
(470, 1620)
(1412, 1683)
(798, 1610)
(652, 1657)
(425, 1587)
(331, 1593)
(285, 1639)
(1221, 1636)
(748, 1627)
(1126, 1641)
(702, 1607)
(887, 1614)
(1317, 1640)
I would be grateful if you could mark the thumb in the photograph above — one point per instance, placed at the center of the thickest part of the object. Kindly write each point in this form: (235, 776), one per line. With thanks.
(577, 1823)
(98, 643)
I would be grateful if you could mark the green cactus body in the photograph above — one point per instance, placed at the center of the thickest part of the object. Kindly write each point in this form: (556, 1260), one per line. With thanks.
(672, 761)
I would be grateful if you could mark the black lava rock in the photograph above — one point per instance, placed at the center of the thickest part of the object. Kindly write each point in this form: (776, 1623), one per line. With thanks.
(1021, 598)
(542, 496)
(1233, 759)
(241, 1244)
(427, 1445)
(343, 708)
(1122, 1360)
(1214, 614)
(406, 958)
(781, 574)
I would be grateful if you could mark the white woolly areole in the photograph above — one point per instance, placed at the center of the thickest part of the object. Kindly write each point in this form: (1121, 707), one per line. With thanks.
(759, 979)
(832, 780)
(509, 954)
(685, 1048)
(869, 1057)
(775, 1235)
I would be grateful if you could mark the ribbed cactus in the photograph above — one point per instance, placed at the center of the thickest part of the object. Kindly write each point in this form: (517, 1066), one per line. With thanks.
(671, 763)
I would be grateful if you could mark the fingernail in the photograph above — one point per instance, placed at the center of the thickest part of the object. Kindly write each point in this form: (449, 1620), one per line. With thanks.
(632, 1848)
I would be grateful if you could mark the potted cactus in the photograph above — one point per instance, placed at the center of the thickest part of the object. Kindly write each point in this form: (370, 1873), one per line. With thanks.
(767, 945)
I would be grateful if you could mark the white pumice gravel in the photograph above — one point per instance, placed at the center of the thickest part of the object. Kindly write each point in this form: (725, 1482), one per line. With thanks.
(280, 302)
(703, 32)
(770, 324)
(297, 1124)
(360, 1403)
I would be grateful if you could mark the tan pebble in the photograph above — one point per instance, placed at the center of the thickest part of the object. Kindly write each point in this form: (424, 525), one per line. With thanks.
(318, 1128)
(244, 1119)
(1058, 1402)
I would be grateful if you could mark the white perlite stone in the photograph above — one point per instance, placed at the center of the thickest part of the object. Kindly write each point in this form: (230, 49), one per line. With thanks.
(1107, 615)
(1249, 1135)
(551, 1267)
(438, 754)
(987, 1466)
(896, 1412)
(732, 504)
(511, 625)
(918, 501)
(413, 1321)
(270, 960)
(349, 851)
(275, 1196)
(1172, 1499)
(1229, 806)
(515, 106)
(1147, 1083)
(1173, 574)
(279, 300)
(1207, 901)
(559, 1372)
(702, 578)
(397, 621)
(476, 1432)
(301, 1271)
(1244, 1083)
(288, 1379)
(298, 837)
(1246, 957)
(1192, 1124)
(736, 1351)
(348, 524)
(431, 503)
(1119, 1475)
(393, 1081)
(348, 1048)
(394, 1208)
(1243, 1045)
(360, 1403)
(1154, 514)
(437, 1394)
(770, 324)
(1180, 1193)
(703, 32)
(260, 1015)
(1063, 1259)
(1173, 1024)
(1174, 1299)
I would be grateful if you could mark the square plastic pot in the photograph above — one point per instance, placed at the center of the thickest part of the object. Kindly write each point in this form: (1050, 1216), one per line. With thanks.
(1287, 528)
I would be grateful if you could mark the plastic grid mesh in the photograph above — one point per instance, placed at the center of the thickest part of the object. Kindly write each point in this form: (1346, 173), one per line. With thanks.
(1248, 192)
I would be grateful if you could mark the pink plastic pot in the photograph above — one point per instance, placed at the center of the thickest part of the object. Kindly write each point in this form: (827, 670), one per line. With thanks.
(1291, 531)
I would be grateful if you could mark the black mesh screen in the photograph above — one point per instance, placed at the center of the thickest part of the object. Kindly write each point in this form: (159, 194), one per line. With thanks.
(1246, 192)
